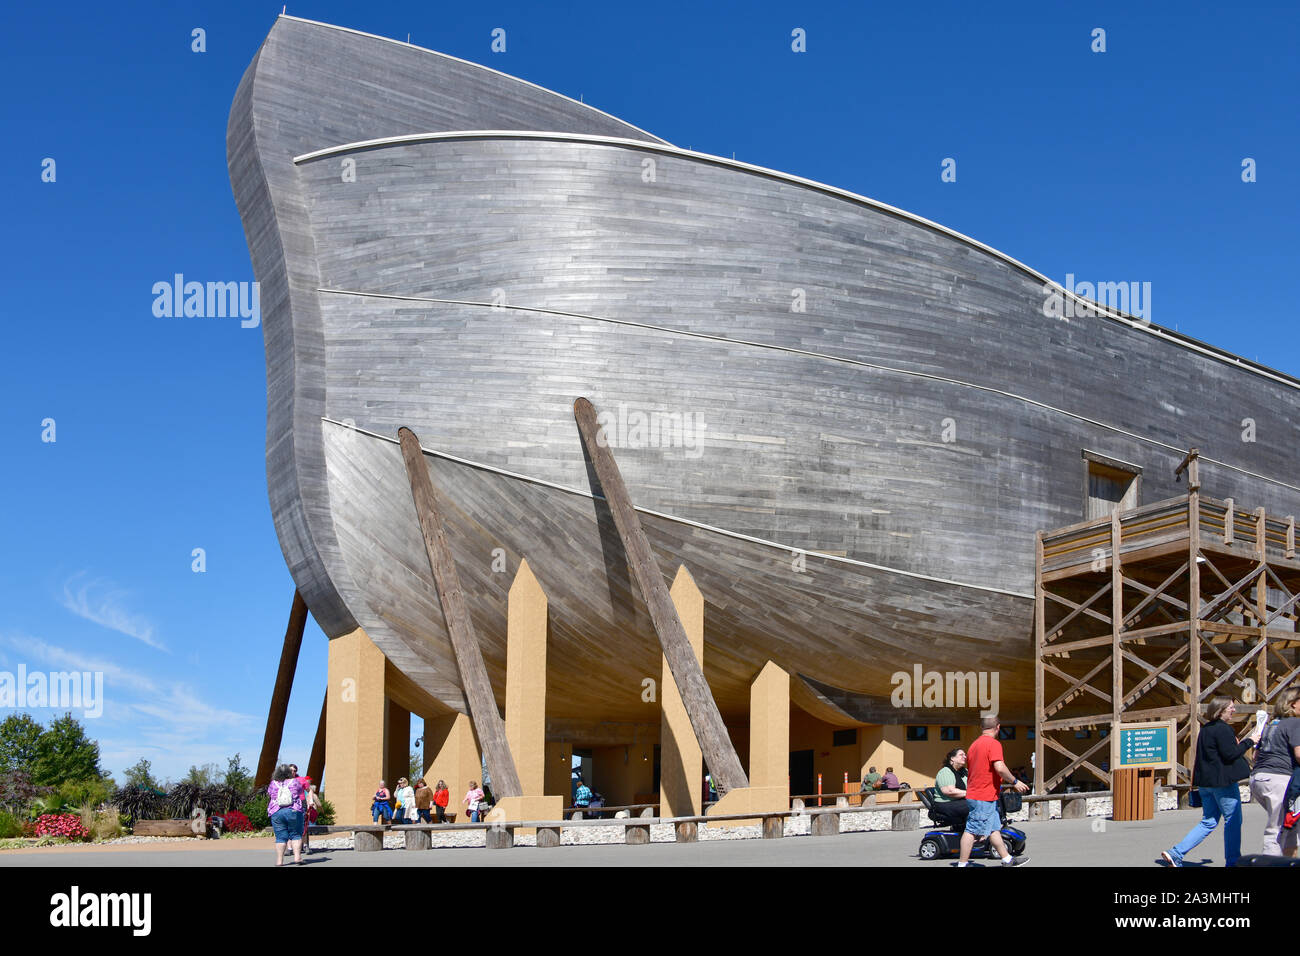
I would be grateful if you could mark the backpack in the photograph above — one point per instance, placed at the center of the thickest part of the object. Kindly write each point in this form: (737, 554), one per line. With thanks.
(285, 797)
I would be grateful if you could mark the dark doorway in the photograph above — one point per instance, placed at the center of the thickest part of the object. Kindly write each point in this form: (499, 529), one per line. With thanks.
(802, 778)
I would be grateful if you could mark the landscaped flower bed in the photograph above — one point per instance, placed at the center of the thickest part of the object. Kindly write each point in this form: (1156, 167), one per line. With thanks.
(61, 825)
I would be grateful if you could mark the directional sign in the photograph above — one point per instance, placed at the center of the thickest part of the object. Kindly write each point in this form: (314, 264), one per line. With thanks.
(1145, 745)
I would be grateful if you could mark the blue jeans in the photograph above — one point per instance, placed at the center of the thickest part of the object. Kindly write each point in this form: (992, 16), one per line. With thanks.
(287, 825)
(1216, 802)
(379, 807)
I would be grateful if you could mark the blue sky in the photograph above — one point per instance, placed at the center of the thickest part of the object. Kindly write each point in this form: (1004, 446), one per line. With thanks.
(1118, 166)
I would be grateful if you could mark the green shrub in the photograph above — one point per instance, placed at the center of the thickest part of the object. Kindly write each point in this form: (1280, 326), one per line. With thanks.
(77, 793)
(10, 826)
(325, 815)
(255, 810)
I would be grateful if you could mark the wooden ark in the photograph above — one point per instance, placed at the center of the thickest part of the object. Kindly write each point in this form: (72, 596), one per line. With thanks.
(862, 418)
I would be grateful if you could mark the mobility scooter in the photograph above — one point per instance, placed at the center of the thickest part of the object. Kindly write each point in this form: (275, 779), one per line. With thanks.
(945, 842)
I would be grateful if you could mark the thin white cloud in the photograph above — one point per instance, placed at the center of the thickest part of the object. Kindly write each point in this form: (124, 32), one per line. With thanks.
(167, 721)
(97, 601)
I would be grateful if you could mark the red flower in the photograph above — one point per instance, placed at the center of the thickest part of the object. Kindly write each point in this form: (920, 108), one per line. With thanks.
(61, 825)
(236, 822)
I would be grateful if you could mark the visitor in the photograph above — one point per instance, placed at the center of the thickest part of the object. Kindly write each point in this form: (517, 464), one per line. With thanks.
(987, 768)
(311, 803)
(404, 795)
(870, 781)
(950, 806)
(889, 781)
(423, 801)
(582, 795)
(1220, 764)
(379, 807)
(285, 805)
(473, 798)
(1277, 756)
(441, 795)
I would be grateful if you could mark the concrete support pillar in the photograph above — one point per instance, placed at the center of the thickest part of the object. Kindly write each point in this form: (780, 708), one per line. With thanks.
(769, 729)
(354, 738)
(453, 755)
(397, 743)
(681, 763)
(769, 748)
(559, 769)
(526, 632)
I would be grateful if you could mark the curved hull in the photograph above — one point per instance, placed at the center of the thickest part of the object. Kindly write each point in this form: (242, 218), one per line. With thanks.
(881, 416)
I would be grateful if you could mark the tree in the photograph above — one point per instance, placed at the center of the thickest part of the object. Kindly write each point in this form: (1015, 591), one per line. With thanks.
(204, 776)
(238, 777)
(19, 735)
(140, 775)
(416, 768)
(64, 752)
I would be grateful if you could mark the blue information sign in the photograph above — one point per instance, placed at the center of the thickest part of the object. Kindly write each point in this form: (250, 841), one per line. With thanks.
(1145, 745)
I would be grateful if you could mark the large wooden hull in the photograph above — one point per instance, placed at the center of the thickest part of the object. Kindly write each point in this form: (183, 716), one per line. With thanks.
(888, 416)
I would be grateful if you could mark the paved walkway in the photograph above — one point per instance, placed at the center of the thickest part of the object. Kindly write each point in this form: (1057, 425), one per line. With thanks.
(1073, 843)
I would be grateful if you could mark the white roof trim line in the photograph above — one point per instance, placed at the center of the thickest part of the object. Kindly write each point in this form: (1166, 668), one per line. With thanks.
(1150, 328)
(686, 521)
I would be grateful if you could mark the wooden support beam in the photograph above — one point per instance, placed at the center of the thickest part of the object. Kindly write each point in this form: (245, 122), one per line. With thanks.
(1116, 626)
(1083, 608)
(1290, 537)
(1218, 604)
(1077, 686)
(1039, 711)
(1229, 520)
(706, 721)
(488, 725)
(1064, 647)
(316, 763)
(280, 695)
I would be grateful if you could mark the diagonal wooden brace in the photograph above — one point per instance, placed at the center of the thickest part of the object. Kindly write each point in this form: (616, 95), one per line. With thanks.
(489, 726)
(280, 696)
(706, 721)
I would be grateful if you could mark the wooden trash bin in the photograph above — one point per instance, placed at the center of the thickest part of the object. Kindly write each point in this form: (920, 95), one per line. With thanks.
(1134, 794)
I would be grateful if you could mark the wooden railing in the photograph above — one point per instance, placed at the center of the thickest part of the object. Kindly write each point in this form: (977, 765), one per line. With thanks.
(1166, 521)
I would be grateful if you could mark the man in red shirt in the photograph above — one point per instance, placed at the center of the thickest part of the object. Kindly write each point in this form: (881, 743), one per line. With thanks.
(987, 770)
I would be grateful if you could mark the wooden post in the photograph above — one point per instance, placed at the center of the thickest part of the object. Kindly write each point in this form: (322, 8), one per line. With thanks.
(1116, 647)
(1290, 537)
(316, 763)
(1229, 520)
(1039, 624)
(1194, 627)
(706, 721)
(280, 696)
(489, 726)
(1261, 607)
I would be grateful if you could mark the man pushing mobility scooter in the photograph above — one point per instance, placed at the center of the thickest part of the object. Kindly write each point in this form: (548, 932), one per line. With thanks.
(965, 798)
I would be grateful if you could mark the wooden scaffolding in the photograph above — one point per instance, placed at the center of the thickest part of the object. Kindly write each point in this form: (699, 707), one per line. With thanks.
(1147, 614)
